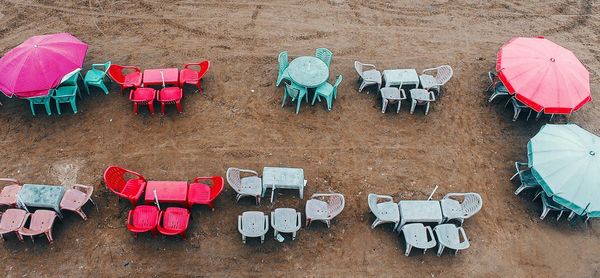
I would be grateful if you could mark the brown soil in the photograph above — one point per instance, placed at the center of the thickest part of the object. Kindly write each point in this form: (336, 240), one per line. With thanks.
(464, 144)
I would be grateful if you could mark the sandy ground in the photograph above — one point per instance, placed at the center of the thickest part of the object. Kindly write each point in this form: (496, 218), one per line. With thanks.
(464, 144)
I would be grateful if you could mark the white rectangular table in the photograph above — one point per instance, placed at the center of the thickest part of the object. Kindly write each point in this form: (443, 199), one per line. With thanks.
(396, 77)
(281, 177)
(419, 212)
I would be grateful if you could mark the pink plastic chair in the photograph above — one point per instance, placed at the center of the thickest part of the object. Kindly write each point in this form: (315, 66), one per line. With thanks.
(8, 195)
(142, 219)
(170, 95)
(190, 76)
(41, 222)
(173, 221)
(13, 220)
(76, 197)
(142, 96)
(203, 194)
(130, 189)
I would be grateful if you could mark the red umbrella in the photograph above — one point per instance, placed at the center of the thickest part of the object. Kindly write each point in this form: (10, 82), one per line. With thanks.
(543, 75)
(39, 63)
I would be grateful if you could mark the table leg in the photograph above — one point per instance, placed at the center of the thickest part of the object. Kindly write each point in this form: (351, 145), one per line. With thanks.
(302, 193)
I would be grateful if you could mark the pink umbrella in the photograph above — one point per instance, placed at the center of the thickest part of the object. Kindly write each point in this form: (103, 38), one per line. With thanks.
(39, 63)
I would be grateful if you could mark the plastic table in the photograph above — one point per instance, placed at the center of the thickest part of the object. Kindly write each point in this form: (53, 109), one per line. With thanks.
(154, 77)
(419, 212)
(281, 177)
(167, 191)
(42, 196)
(308, 71)
(396, 77)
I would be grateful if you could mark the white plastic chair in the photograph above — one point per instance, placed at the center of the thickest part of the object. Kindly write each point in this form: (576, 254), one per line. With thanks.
(253, 224)
(443, 74)
(416, 102)
(449, 235)
(453, 209)
(386, 211)
(324, 207)
(245, 186)
(286, 220)
(391, 94)
(416, 235)
(369, 77)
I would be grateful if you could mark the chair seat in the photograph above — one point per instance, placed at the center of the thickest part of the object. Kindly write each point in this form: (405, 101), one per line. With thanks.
(448, 235)
(133, 79)
(325, 90)
(451, 209)
(39, 100)
(65, 91)
(372, 75)
(388, 211)
(501, 89)
(251, 186)
(175, 220)
(428, 81)
(188, 75)
(392, 93)
(316, 209)
(73, 199)
(527, 178)
(94, 75)
(198, 193)
(143, 94)
(253, 224)
(132, 187)
(8, 195)
(144, 218)
(416, 235)
(170, 94)
(12, 220)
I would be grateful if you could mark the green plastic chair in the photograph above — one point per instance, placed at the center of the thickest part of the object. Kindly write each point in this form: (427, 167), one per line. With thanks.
(296, 93)
(328, 92)
(72, 79)
(324, 55)
(65, 94)
(45, 100)
(95, 77)
(283, 62)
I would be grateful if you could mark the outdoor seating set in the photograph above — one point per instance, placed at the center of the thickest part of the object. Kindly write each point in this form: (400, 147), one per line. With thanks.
(430, 81)
(321, 206)
(171, 221)
(47, 200)
(409, 216)
(304, 73)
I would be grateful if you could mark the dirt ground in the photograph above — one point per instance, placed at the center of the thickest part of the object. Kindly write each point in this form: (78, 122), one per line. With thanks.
(463, 145)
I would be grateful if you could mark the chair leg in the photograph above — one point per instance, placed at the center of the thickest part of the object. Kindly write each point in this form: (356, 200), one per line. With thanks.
(427, 108)
(544, 213)
(47, 106)
(412, 107)
(49, 236)
(284, 99)
(408, 248)
(399, 104)
(86, 87)
(314, 98)
(32, 108)
(81, 213)
(178, 105)
(329, 101)
(298, 102)
(103, 87)
(57, 107)
(162, 108)
(375, 223)
(384, 103)
(73, 106)
(200, 90)
(440, 250)
(151, 107)
(521, 188)
(135, 108)
(362, 86)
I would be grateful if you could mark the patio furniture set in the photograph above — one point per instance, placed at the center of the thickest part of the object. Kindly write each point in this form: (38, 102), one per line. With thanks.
(307, 74)
(423, 87)
(46, 200)
(409, 217)
(171, 221)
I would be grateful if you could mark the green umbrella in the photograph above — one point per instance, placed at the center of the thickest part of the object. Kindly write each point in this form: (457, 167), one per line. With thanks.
(565, 160)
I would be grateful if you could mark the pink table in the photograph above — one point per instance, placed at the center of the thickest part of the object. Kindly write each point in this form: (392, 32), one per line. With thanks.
(167, 191)
(153, 77)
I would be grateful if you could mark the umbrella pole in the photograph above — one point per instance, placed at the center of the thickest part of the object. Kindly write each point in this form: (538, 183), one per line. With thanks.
(433, 192)
(156, 199)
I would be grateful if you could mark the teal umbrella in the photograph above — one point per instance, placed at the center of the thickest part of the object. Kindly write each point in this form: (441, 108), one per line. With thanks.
(565, 160)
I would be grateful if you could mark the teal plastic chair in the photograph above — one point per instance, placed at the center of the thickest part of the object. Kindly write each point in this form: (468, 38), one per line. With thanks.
(328, 92)
(296, 93)
(45, 100)
(96, 76)
(72, 79)
(65, 94)
(283, 62)
(324, 55)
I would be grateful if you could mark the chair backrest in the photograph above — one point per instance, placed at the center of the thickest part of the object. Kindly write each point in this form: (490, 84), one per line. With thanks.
(291, 91)
(115, 178)
(217, 187)
(373, 204)
(115, 72)
(42, 220)
(283, 61)
(204, 66)
(471, 204)
(234, 179)
(13, 219)
(335, 204)
(70, 79)
(444, 73)
(324, 55)
(336, 84)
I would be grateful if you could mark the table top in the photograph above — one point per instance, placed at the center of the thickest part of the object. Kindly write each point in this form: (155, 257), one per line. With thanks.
(285, 220)
(396, 76)
(283, 177)
(41, 195)
(420, 94)
(253, 223)
(391, 93)
(308, 71)
(167, 191)
(153, 76)
(420, 211)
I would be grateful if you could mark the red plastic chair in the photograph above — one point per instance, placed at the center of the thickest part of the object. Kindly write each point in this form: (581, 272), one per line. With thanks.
(41, 222)
(8, 195)
(130, 189)
(170, 95)
(142, 96)
(125, 76)
(13, 220)
(173, 221)
(190, 76)
(142, 219)
(203, 194)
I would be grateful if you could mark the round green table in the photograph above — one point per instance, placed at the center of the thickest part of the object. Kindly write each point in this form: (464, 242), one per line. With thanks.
(308, 71)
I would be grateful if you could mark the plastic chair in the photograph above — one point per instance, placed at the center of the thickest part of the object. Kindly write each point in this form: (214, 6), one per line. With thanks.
(449, 235)
(72, 79)
(421, 102)
(76, 197)
(324, 55)
(286, 220)
(95, 77)
(253, 224)
(296, 93)
(324, 207)
(142, 219)
(125, 76)
(130, 189)
(173, 221)
(328, 92)
(368, 77)
(453, 209)
(392, 94)
(65, 94)
(528, 181)
(518, 107)
(12, 221)
(416, 235)
(190, 76)
(550, 205)
(386, 211)
(435, 78)
(283, 62)
(142, 96)
(496, 85)
(169, 95)
(9, 193)
(41, 222)
(245, 186)
(45, 100)
(203, 194)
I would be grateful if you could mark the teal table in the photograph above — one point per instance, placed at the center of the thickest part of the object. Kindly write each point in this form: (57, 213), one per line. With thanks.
(42, 196)
(308, 71)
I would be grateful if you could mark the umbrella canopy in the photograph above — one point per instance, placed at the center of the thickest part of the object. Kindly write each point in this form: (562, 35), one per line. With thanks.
(565, 160)
(543, 75)
(39, 63)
